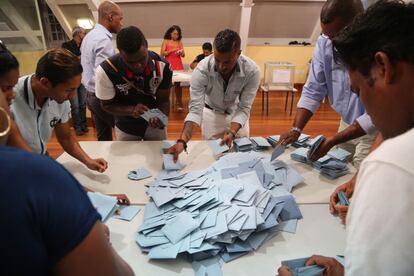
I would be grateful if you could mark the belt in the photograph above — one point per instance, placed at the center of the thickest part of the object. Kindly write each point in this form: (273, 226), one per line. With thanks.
(215, 110)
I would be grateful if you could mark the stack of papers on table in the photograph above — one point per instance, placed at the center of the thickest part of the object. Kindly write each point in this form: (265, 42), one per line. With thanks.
(327, 165)
(104, 204)
(273, 140)
(339, 154)
(302, 141)
(334, 169)
(297, 267)
(155, 113)
(243, 144)
(221, 213)
(260, 143)
(315, 143)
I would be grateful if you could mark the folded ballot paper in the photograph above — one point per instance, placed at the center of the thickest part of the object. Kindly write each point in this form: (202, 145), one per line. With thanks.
(343, 199)
(260, 143)
(273, 140)
(315, 143)
(216, 148)
(155, 113)
(221, 213)
(243, 144)
(297, 267)
(327, 165)
(104, 204)
(302, 141)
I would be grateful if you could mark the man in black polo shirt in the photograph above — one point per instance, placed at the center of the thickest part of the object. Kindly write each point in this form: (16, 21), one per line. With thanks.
(132, 82)
(77, 103)
(207, 50)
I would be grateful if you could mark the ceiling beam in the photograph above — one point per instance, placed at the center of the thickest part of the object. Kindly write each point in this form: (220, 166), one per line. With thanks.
(21, 24)
(57, 12)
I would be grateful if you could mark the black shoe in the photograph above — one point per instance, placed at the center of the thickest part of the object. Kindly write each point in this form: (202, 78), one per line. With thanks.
(85, 129)
(79, 132)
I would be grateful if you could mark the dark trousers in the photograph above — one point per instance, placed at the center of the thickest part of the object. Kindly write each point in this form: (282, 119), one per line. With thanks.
(78, 109)
(104, 122)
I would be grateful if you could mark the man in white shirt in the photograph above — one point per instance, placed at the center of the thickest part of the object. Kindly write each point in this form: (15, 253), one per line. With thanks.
(377, 49)
(42, 105)
(222, 91)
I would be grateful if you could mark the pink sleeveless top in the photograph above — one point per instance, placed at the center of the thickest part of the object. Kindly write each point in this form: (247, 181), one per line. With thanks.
(174, 59)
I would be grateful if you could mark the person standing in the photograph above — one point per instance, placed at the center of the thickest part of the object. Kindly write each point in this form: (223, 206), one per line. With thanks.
(96, 47)
(132, 82)
(222, 91)
(77, 103)
(173, 50)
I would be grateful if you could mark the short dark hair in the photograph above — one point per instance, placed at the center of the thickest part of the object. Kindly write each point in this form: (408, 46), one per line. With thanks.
(347, 10)
(207, 46)
(58, 66)
(227, 41)
(7, 61)
(171, 29)
(130, 40)
(387, 26)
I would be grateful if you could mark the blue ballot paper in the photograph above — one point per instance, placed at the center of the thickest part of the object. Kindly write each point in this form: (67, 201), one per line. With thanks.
(127, 212)
(104, 204)
(169, 163)
(221, 213)
(343, 199)
(297, 267)
(339, 154)
(315, 143)
(139, 174)
(216, 148)
(155, 113)
(278, 151)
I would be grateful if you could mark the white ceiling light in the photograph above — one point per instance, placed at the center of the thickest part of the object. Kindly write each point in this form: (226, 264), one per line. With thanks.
(85, 23)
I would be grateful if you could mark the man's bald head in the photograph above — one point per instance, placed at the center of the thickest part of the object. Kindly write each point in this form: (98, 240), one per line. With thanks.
(110, 16)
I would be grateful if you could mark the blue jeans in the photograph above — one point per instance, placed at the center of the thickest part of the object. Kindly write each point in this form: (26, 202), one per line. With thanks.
(78, 109)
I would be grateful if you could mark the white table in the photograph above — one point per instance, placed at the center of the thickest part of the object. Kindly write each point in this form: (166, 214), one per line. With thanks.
(181, 76)
(317, 233)
(123, 157)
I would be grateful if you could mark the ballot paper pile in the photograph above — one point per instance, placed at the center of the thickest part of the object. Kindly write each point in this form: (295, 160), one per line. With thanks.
(297, 267)
(301, 142)
(219, 214)
(260, 143)
(332, 165)
(155, 113)
(243, 144)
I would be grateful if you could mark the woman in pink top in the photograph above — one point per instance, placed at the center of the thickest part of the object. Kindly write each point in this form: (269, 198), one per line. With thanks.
(172, 49)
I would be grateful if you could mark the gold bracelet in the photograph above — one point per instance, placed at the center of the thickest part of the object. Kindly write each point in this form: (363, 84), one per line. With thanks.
(7, 130)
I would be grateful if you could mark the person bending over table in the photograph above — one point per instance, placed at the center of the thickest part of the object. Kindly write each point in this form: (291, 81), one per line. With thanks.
(380, 238)
(132, 82)
(329, 78)
(222, 90)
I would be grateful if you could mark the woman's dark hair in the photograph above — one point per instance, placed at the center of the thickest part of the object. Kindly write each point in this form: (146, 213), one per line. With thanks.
(172, 29)
(58, 66)
(7, 60)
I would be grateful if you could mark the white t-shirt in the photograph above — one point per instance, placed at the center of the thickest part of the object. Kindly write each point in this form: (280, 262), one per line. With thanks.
(380, 222)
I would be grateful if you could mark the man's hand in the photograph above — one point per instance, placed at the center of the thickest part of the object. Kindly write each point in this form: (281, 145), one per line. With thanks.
(284, 271)
(122, 199)
(155, 122)
(332, 266)
(176, 150)
(289, 137)
(334, 206)
(322, 150)
(138, 110)
(227, 139)
(98, 164)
